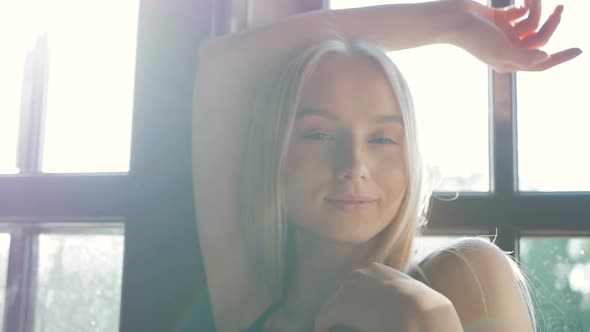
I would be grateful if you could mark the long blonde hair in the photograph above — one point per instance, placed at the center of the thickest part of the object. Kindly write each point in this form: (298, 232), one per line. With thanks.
(260, 194)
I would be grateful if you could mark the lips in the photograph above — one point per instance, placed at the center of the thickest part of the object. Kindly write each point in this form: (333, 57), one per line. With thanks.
(351, 198)
(351, 203)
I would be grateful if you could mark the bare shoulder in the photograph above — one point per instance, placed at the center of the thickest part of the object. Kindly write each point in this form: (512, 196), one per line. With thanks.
(482, 283)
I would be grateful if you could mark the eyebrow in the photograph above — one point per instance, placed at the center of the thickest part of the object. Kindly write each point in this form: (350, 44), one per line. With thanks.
(331, 116)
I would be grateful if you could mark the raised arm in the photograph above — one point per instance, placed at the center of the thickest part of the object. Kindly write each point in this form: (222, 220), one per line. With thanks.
(490, 34)
(229, 67)
(397, 26)
(501, 37)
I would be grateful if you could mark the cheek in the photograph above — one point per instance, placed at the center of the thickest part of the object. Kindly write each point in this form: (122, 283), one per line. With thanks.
(391, 170)
(304, 164)
(304, 174)
(392, 178)
(308, 174)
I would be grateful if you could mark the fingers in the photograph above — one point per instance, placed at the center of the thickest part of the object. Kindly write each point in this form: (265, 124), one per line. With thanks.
(530, 24)
(525, 37)
(529, 58)
(551, 61)
(557, 58)
(506, 28)
(512, 13)
(541, 38)
(525, 33)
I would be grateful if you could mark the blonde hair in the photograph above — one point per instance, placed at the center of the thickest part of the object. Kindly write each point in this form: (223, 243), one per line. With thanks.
(260, 194)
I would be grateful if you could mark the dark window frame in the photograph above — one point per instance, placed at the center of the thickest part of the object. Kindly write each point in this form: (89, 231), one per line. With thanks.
(33, 201)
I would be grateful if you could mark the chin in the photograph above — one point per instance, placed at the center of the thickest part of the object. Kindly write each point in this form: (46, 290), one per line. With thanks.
(348, 235)
(349, 230)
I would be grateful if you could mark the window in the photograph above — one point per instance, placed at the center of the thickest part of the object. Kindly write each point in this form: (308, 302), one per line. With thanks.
(437, 110)
(68, 94)
(90, 72)
(560, 280)
(78, 281)
(4, 245)
(66, 100)
(12, 69)
(557, 124)
(535, 193)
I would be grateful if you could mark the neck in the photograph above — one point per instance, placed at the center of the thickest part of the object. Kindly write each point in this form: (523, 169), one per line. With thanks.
(320, 266)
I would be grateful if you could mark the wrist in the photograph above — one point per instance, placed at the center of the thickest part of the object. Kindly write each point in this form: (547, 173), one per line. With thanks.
(455, 12)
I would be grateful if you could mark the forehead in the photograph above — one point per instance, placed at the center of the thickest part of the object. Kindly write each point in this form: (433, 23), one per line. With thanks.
(349, 83)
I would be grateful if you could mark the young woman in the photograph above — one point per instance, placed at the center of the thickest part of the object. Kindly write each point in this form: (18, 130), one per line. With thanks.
(328, 176)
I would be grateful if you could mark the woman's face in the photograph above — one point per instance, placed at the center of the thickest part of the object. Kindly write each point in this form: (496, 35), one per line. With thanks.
(348, 139)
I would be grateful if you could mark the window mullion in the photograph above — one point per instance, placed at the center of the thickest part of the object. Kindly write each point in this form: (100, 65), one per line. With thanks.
(503, 136)
(503, 150)
(503, 156)
(32, 112)
(21, 261)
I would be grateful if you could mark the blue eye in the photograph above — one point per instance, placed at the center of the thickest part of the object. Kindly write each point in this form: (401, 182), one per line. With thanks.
(388, 141)
(317, 136)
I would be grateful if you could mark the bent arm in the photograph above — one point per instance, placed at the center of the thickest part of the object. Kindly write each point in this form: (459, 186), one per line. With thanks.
(228, 68)
(230, 65)
(396, 26)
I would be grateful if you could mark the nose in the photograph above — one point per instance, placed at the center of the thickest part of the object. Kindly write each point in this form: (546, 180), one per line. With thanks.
(351, 162)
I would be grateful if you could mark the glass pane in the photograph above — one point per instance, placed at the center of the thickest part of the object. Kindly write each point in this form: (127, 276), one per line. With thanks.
(425, 245)
(554, 112)
(451, 99)
(17, 35)
(4, 247)
(78, 283)
(90, 93)
(558, 270)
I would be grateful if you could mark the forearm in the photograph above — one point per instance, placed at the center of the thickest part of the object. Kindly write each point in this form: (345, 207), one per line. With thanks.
(397, 26)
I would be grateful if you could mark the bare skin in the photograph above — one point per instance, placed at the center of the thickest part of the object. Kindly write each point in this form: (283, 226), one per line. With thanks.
(342, 150)
(228, 65)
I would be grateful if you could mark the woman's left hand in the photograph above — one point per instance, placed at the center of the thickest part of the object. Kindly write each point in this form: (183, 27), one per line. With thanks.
(379, 298)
